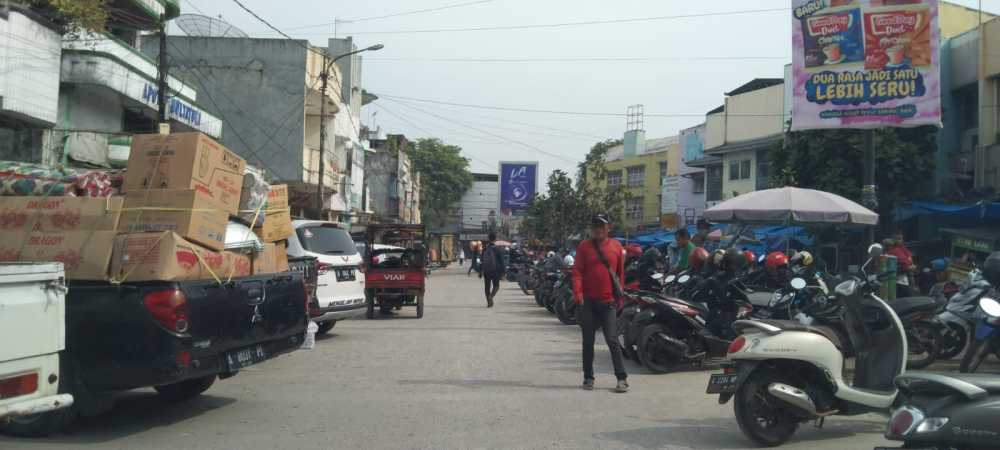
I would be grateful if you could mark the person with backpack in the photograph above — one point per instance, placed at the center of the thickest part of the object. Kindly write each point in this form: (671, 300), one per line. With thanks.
(598, 271)
(492, 268)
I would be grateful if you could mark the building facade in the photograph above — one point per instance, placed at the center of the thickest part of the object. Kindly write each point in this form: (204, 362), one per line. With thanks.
(641, 167)
(393, 186)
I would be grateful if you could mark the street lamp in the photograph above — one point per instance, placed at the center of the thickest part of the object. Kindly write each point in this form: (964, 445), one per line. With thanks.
(324, 76)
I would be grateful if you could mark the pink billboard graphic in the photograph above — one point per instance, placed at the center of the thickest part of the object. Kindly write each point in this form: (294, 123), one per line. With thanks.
(865, 64)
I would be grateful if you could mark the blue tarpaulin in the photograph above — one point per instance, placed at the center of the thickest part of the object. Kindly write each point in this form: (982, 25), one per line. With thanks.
(771, 238)
(969, 215)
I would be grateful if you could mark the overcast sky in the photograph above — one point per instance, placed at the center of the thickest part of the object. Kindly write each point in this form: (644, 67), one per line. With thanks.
(683, 87)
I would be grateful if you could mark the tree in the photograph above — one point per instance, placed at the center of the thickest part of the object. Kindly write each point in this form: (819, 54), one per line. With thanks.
(591, 182)
(557, 215)
(91, 15)
(831, 160)
(444, 177)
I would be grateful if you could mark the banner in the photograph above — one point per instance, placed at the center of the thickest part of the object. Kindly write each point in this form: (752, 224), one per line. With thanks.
(865, 64)
(518, 185)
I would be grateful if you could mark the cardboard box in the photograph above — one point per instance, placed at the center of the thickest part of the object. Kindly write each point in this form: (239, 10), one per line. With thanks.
(277, 225)
(185, 161)
(84, 254)
(59, 213)
(273, 259)
(191, 213)
(277, 197)
(166, 256)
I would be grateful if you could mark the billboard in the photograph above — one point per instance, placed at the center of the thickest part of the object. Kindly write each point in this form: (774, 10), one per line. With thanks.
(865, 64)
(518, 186)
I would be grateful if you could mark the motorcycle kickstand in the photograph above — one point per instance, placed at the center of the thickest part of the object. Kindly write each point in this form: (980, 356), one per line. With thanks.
(819, 422)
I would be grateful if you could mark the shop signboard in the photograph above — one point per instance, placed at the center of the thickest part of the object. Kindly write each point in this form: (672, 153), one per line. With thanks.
(865, 64)
(518, 186)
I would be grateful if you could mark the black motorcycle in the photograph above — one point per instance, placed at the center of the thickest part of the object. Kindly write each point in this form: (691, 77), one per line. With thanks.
(946, 411)
(562, 298)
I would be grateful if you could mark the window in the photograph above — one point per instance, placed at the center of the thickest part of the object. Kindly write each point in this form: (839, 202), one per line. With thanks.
(739, 170)
(734, 170)
(698, 180)
(745, 169)
(713, 184)
(326, 239)
(663, 172)
(633, 208)
(614, 178)
(636, 176)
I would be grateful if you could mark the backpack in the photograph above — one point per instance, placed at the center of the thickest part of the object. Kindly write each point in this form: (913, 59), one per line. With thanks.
(490, 263)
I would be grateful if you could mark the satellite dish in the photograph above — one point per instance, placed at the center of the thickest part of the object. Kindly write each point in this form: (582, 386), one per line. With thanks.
(204, 26)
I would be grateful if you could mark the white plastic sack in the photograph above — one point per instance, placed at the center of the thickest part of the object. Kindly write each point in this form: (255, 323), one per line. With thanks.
(254, 194)
(310, 341)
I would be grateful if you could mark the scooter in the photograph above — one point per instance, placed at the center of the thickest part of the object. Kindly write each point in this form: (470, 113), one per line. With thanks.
(958, 319)
(986, 338)
(946, 412)
(783, 373)
(563, 302)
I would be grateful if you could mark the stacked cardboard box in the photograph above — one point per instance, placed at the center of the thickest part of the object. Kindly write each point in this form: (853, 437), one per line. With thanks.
(166, 256)
(277, 217)
(76, 231)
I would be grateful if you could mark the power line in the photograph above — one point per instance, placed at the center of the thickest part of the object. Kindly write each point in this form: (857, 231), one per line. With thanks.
(386, 16)
(580, 23)
(551, 111)
(426, 132)
(582, 59)
(410, 121)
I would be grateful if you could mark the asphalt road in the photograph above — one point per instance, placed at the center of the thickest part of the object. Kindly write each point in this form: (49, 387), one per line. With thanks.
(463, 377)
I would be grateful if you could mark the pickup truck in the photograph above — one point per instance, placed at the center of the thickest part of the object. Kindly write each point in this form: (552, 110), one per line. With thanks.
(176, 337)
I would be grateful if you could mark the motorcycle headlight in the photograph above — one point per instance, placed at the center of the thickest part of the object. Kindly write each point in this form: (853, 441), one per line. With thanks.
(990, 306)
(932, 425)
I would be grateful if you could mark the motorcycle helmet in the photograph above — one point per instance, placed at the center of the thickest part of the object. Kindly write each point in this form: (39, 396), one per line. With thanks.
(750, 257)
(775, 260)
(939, 265)
(651, 256)
(991, 269)
(568, 261)
(697, 258)
(550, 254)
(804, 258)
(734, 259)
(719, 258)
(633, 251)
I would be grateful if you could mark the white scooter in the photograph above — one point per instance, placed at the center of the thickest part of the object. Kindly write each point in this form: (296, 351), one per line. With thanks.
(783, 373)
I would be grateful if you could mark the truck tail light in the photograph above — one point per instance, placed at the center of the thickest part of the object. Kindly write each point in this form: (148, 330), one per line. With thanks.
(19, 385)
(322, 268)
(169, 308)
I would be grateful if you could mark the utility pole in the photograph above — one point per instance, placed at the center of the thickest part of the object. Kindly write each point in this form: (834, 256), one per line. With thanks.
(868, 194)
(323, 76)
(162, 86)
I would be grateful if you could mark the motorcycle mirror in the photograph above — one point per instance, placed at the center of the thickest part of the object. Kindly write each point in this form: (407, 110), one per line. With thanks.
(798, 284)
(657, 276)
(671, 278)
(990, 306)
(684, 279)
(875, 251)
(761, 258)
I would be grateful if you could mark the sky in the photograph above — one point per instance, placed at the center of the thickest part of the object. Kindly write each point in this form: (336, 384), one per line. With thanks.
(675, 65)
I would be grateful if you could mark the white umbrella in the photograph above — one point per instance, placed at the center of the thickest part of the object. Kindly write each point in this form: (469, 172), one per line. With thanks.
(790, 205)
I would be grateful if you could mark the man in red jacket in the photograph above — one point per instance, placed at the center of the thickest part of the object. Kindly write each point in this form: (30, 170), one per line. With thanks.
(599, 267)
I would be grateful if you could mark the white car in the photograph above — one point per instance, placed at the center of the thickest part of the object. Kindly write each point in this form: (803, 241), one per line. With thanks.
(341, 283)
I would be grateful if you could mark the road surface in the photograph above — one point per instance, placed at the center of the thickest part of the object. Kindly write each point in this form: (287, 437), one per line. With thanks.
(463, 377)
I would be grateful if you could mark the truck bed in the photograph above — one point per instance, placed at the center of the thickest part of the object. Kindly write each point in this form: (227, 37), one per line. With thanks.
(116, 342)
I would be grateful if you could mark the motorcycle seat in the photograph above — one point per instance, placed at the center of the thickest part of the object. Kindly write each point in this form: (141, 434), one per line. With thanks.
(792, 325)
(908, 305)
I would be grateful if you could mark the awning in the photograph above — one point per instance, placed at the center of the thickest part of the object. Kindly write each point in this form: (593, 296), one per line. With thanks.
(749, 144)
(972, 214)
(704, 161)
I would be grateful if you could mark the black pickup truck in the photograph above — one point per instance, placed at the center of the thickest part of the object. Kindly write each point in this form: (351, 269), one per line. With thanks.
(176, 337)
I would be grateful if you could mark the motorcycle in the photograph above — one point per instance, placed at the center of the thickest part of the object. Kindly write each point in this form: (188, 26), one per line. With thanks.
(782, 373)
(923, 338)
(986, 338)
(565, 307)
(958, 320)
(946, 411)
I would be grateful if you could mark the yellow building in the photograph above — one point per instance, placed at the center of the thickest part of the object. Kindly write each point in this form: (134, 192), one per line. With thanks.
(956, 19)
(642, 172)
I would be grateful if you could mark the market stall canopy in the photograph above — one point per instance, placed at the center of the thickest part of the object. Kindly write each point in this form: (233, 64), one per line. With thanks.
(791, 205)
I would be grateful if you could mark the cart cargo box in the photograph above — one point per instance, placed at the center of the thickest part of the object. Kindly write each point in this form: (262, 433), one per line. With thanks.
(190, 213)
(185, 161)
(273, 259)
(166, 256)
(278, 219)
(84, 254)
(59, 213)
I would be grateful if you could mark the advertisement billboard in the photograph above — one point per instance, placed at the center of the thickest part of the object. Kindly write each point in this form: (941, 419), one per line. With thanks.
(865, 64)
(518, 185)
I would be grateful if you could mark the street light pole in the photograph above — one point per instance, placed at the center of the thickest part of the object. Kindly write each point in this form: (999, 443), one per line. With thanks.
(324, 77)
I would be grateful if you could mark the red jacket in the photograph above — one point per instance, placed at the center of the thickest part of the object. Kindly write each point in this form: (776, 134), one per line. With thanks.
(904, 258)
(591, 280)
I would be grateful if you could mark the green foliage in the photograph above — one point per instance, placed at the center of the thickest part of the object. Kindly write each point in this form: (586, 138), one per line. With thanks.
(444, 177)
(591, 182)
(831, 160)
(557, 215)
(91, 15)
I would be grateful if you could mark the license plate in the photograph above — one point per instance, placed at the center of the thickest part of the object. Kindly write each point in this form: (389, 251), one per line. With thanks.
(721, 383)
(244, 357)
(345, 274)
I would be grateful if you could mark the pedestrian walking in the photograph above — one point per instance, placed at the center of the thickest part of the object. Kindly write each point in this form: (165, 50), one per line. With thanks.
(461, 256)
(598, 270)
(492, 268)
(474, 262)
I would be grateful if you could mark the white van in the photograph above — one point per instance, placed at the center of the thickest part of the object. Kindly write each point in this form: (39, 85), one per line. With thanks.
(32, 333)
(341, 284)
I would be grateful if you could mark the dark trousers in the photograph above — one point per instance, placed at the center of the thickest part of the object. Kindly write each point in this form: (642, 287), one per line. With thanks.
(492, 284)
(592, 315)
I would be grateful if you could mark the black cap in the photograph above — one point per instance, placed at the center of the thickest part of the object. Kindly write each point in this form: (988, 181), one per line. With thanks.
(600, 219)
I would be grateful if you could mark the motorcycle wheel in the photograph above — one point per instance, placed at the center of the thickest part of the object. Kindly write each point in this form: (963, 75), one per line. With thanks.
(550, 300)
(974, 356)
(954, 338)
(538, 297)
(924, 344)
(566, 310)
(624, 323)
(760, 416)
(651, 354)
